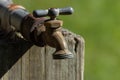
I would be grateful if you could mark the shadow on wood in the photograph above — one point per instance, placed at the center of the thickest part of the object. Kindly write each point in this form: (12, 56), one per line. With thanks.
(10, 52)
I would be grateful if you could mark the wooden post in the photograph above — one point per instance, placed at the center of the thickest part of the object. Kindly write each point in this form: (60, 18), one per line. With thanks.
(20, 60)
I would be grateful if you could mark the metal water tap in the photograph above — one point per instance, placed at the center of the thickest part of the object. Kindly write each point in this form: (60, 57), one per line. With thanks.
(37, 28)
(53, 35)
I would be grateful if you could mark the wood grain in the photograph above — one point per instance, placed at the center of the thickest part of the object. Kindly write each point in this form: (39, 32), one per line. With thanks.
(21, 61)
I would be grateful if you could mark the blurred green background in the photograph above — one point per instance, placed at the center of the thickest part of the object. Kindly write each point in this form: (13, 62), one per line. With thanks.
(98, 21)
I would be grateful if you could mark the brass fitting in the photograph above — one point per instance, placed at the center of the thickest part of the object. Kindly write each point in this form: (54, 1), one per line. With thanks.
(52, 34)
(54, 38)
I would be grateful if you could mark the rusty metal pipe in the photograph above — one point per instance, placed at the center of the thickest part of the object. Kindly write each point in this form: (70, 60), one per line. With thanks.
(16, 17)
(12, 14)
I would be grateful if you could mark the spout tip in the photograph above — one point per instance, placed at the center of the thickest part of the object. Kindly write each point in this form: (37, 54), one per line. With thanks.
(63, 54)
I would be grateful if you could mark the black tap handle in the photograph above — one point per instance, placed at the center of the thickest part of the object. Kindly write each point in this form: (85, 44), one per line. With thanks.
(53, 12)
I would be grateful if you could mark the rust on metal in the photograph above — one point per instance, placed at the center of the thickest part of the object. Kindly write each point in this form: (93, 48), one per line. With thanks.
(31, 29)
(15, 6)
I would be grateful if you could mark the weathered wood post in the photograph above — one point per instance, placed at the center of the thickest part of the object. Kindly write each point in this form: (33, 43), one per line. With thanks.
(21, 60)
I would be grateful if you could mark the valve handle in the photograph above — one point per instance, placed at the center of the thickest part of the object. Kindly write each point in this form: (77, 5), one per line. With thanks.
(53, 12)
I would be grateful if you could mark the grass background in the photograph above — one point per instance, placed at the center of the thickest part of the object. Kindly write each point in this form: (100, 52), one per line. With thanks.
(98, 21)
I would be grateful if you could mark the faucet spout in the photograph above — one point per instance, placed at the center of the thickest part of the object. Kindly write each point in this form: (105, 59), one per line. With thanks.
(54, 38)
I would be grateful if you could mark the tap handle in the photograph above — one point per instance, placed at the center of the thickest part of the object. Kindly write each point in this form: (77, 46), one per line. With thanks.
(66, 11)
(53, 12)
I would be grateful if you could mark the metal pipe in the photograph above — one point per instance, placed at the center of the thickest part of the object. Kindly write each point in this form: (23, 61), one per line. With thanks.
(16, 17)
(11, 14)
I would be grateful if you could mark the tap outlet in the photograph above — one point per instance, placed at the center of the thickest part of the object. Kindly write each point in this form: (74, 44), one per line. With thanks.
(54, 38)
